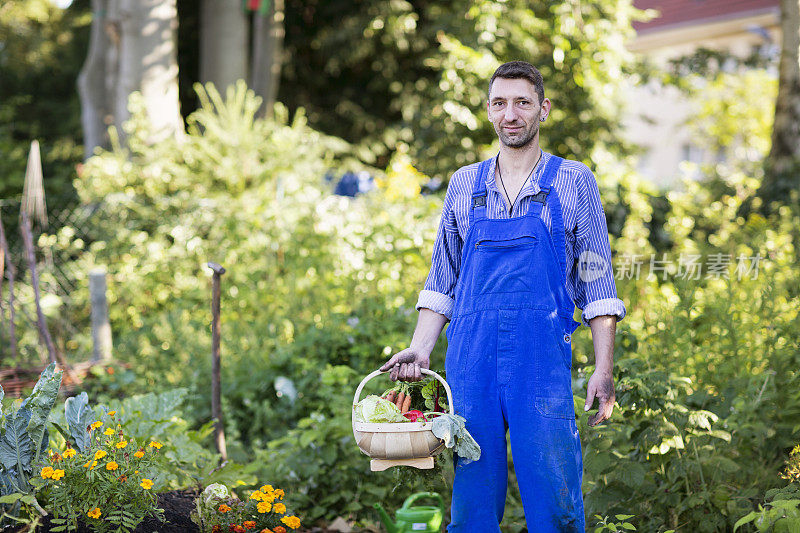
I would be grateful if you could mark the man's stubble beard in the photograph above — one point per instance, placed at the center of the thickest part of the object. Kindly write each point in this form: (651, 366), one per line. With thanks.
(524, 140)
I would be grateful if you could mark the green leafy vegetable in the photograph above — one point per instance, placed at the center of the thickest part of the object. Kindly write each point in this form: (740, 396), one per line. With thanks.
(375, 409)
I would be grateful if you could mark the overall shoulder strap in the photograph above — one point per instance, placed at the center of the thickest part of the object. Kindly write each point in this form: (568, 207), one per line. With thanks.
(478, 203)
(550, 196)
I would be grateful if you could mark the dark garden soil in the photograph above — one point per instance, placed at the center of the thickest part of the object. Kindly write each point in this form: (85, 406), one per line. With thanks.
(177, 505)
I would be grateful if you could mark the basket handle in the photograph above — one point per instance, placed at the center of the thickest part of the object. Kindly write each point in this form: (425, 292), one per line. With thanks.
(423, 370)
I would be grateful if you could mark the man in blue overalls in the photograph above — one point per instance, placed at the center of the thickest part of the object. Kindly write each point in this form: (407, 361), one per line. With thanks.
(522, 240)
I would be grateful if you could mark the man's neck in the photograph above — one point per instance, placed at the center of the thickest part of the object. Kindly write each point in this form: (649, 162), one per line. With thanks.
(517, 163)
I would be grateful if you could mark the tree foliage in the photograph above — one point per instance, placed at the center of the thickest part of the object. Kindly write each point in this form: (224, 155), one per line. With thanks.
(416, 73)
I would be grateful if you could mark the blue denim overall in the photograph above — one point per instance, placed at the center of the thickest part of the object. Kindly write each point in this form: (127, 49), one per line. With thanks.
(508, 363)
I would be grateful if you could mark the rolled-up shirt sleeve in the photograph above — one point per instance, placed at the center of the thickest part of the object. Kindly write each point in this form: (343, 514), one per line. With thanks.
(592, 274)
(439, 292)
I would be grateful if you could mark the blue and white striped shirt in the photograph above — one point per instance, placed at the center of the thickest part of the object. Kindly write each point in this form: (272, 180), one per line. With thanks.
(593, 291)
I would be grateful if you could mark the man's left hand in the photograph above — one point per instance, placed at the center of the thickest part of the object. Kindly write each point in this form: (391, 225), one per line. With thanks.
(601, 386)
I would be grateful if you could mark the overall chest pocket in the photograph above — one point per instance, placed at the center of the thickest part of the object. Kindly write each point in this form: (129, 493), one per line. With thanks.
(505, 266)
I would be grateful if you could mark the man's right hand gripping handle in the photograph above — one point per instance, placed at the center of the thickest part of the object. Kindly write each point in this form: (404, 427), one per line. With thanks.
(405, 365)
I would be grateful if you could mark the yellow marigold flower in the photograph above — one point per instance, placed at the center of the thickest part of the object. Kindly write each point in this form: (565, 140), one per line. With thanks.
(264, 507)
(58, 474)
(154, 444)
(138, 454)
(279, 508)
(112, 413)
(279, 493)
(223, 508)
(94, 513)
(146, 484)
(266, 488)
(291, 521)
(99, 454)
(96, 425)
(47, 472)
(94, 464)
(257, 495)
(111, 465)
(88, 464)
(69, 452)
(108, 431)
(121, 444)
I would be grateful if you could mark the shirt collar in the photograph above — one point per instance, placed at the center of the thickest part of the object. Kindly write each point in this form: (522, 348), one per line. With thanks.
(531, 186)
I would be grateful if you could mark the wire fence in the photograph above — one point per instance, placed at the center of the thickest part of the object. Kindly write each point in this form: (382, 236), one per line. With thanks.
(56, 260)
(60, 276)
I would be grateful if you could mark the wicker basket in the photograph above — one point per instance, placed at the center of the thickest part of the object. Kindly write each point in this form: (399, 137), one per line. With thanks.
(401, 443)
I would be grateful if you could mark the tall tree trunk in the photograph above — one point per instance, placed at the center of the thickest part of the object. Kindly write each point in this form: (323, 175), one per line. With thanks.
(223, 42)
(782, 165)
(92, 83)
(148, 63)
(268, 33)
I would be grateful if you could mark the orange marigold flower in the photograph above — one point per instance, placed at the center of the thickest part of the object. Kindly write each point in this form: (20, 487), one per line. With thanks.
(266, 488)
(94, 513)
(69, 452)
(47, 472)
(95, 425)
(123, 478)
(279, 508)
(279, 529)
(216, 529)
(279, 493)
(99, 454)
(257, 495)
(139, 454)
(88, 464)
(55, 458)
(291, 521)
(266, 530)
(237, 529)
(146, 484)
(111, 465)
(58, 474)
(264, 507)
(154, 444)
(112, 413)
(223, 508)
(249, 524)
(121, 444)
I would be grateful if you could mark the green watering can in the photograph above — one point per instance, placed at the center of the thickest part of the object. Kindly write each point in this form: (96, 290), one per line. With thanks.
(426, 518)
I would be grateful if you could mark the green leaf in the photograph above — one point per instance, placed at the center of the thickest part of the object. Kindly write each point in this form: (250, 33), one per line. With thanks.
(746, 519)
(623, 516)
(79, 417)
(16, 448)
(40, 403)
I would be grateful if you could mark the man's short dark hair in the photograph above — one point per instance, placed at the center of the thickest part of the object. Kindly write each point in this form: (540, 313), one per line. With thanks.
(514, 70)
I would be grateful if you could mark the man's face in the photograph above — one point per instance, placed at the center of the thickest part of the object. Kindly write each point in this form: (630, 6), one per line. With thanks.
(515, 112)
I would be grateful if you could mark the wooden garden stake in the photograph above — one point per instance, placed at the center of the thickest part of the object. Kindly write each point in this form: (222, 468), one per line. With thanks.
(101, 328)
(27, 241)
(10, 272)
(216, 409)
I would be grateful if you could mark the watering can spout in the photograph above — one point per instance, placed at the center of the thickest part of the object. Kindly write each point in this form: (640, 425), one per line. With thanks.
(391, 527)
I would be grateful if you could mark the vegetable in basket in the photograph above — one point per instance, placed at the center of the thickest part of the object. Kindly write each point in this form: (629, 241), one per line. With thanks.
(374, 409)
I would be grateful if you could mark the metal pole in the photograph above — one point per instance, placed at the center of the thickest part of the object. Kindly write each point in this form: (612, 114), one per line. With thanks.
(216, 409)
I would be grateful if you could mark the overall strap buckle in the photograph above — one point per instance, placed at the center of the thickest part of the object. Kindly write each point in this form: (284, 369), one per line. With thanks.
(540, 196)
(478, 201)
